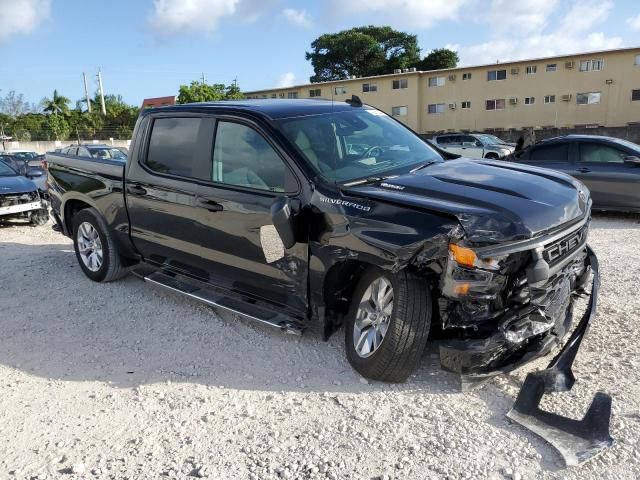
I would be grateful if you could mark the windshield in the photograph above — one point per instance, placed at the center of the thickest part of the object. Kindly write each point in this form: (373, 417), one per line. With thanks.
(345, 146)
(25, 155)
(108, 153)
(6, 170)
(491, 139)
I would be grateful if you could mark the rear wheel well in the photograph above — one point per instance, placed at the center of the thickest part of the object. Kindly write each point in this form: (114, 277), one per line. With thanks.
(70, 209)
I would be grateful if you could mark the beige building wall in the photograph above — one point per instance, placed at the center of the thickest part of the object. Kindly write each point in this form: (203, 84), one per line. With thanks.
(618, 76)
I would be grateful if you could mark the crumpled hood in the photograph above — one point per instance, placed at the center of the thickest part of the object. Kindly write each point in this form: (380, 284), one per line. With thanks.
(494, 201)
(15, 184)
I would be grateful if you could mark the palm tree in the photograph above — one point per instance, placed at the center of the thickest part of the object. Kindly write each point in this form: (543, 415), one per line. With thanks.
(56, 104)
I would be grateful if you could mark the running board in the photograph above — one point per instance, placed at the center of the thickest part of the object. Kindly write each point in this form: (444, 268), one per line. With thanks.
(218, 299)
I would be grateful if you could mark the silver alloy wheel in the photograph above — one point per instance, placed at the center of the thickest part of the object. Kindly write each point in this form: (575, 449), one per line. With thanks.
(373, 317)
(89, 246)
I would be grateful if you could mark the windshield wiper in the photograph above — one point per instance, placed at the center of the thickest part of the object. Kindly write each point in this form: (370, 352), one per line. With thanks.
(363, 181)
(424, 165)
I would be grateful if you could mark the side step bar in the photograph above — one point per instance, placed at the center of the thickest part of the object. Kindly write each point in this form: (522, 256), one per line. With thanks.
(218, 299)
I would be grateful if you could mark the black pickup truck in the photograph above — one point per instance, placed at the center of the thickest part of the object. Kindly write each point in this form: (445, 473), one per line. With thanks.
(290, 212)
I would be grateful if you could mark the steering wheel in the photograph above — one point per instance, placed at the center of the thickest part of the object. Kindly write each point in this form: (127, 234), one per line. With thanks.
(369, 152)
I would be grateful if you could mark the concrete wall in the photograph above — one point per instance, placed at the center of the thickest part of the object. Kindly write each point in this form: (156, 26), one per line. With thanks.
(43, 147)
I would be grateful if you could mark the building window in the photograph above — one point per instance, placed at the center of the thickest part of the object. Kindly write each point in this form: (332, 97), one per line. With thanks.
(370, 87)
(531, 69)
(529, 100)
(436, 81)
(435, 108)
(281, 95)
(292, 94)
(549, 99)
(274, 95)
(588, 98)
(636, 62)
(466, 76)
(591, 65)
(497, 104)
(635, 95)
(496, 75)
(466, 104)
(315, 92)
(340, 90)
(398, 84)
(552, 67)
(399, 111)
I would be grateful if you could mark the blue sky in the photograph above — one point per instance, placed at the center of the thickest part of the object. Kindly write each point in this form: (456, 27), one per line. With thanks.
(147, 48)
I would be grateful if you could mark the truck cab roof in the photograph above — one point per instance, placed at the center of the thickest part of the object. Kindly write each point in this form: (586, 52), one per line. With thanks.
(270, 108)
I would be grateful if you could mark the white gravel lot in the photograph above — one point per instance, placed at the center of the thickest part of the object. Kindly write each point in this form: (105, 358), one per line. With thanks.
(125, 380)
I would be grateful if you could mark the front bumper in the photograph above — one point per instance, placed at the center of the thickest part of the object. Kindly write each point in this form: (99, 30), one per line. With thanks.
(21, 208)
(576, 440)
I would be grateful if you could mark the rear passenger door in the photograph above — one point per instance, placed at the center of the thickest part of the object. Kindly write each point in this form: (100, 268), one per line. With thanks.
(249, 172)
(612, 182)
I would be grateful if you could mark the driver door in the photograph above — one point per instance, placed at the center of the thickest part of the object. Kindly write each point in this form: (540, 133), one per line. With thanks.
(471, 147)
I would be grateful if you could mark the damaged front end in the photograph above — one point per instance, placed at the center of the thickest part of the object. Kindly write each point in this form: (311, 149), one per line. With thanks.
(505, 305)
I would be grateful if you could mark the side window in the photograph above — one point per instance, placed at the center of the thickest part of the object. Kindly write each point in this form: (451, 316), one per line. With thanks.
(455, 140)
(444, 140)
(600, 153)
(557, 152)
(468, 139)
(83, 152)
(173, 146)
(73, 151)
(242, 157)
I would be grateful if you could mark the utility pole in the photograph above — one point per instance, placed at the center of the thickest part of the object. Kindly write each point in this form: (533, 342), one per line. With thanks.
(104, 109)
(86, 92)
(204, 79)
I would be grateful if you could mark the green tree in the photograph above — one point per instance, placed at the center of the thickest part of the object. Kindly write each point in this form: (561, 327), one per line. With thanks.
(438, 59)
(362, 51)
(203, 92)
(58, 127)
(56, 104)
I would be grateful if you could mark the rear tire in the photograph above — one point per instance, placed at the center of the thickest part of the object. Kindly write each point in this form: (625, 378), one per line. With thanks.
(399, 352)
(89, 228)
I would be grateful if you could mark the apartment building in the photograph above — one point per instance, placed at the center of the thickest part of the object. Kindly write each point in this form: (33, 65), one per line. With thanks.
(573, 91)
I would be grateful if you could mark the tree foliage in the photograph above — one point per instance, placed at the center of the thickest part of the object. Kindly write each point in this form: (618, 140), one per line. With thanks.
(13, 104)
(438, 59)
(56, 104)
(203, 92)
(362, 51)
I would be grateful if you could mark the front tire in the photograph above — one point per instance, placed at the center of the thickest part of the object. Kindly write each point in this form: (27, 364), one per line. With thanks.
(491, 156)
(95, 249)
(388, 324)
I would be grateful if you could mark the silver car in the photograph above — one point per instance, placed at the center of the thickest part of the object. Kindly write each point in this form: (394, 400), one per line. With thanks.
(474, 145)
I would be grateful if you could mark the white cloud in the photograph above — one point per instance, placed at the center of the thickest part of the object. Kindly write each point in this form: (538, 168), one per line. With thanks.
(297, 17)
(519, 16)
(173, 16)
(634, 22)
(408, 13)
(573, 33)
(286, 80)
(21, 16)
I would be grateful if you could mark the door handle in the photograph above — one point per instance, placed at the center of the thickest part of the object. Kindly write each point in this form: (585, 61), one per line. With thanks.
(210, 205)
(136, 190)
(583, 170)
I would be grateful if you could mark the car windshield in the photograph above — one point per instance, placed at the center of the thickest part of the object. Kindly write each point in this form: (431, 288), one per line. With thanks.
(633, 146)
(6, 170)
(361, 143)
(491, 139)
(108, 153)
(25, 155)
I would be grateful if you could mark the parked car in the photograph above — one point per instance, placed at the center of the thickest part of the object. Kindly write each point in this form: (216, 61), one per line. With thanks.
(608, 166)
(261, 208)
(22, 166)
(474, 145)
(20, 198)
(102, 151)
(33, 158)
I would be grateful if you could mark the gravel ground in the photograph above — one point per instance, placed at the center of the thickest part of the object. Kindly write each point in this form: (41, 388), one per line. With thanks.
(125, 380)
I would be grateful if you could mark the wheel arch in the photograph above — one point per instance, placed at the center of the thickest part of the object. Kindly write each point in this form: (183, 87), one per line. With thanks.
(70, 208)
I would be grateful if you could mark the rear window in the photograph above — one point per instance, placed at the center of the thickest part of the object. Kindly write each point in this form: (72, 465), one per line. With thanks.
(555, 152)
(173, 146)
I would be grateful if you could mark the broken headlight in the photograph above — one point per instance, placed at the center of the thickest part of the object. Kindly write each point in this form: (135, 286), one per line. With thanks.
(468, 276)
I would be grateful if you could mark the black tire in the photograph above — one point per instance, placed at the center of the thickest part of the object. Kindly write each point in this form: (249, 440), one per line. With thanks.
(112, 267)
(37, 218)
(491, 156)
(400, 351)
